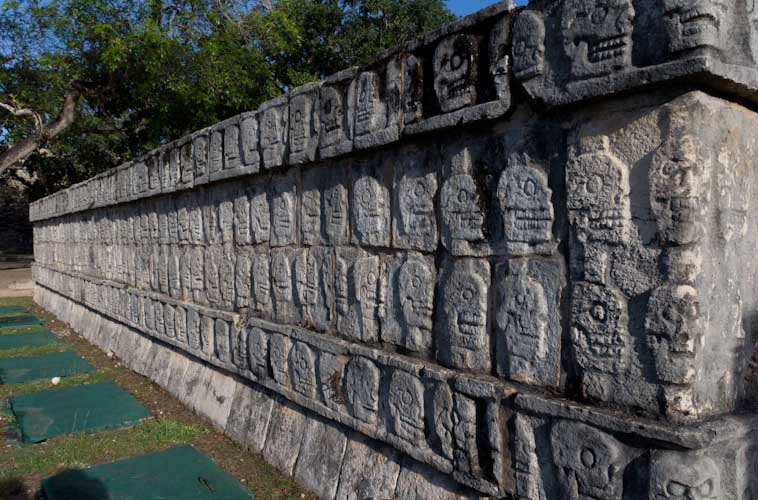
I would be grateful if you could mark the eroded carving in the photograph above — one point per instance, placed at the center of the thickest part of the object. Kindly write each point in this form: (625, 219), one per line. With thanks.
(232, 147)
(462, 215)
(278, 351)
(455, 72)
(697, 24)
(406, 402)
(371, 211)
(528, 46)
(302, 364)
(684, 476)
(416, 225)
(362, 387)
(257, 352)
(283, 215)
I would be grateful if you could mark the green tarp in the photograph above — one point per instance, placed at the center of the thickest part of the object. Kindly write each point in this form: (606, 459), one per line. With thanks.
(176, 473)
(55, 364)
(12, 310)
(84, 408)
(19, 321)
(35, 339)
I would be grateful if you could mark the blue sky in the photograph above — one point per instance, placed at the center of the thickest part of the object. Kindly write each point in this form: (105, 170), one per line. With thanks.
(463, 7)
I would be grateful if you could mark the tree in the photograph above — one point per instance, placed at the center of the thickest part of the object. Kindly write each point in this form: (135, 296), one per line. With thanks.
(88, 84)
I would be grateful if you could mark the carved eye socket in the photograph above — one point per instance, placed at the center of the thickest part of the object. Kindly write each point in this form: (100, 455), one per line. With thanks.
(599, 13)
(520, 47)
(419, 189)
(705, 489)
(530, 188)
(463, 196)
(371, 278)
(599, 312)
(406, 398)
(298, 115)
(328, 106)
(467, 294)
(588, 458)
(456, 61)
(594, 184)
(416, 282)
(676, 489)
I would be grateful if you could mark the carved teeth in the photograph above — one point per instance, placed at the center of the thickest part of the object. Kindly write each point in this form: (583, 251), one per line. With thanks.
(608, 48)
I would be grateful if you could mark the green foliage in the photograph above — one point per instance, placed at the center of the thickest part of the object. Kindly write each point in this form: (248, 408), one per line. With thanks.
(155, 70)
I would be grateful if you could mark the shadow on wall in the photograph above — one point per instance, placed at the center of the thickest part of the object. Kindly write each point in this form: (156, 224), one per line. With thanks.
(15, 228)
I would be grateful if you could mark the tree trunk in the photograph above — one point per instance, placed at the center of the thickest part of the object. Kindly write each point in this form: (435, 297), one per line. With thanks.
(23, 149)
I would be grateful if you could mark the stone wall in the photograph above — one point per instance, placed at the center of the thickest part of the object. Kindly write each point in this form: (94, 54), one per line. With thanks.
(514, 258)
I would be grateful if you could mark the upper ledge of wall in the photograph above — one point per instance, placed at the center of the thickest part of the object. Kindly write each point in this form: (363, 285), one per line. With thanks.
(560, 51)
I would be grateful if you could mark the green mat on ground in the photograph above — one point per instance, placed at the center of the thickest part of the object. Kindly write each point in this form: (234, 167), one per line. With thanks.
(55, 364)
(84, 408)
(35, 339)
(19, 321)
(4, 310)
(181, 473)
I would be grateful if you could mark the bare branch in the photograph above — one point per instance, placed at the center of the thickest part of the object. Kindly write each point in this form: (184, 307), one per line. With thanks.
(20, 151)
(14, 109)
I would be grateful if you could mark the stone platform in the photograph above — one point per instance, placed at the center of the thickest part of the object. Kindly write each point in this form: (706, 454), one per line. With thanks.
(513, 258)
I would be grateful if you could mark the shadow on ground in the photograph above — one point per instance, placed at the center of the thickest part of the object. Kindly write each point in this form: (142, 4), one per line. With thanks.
(72, 484)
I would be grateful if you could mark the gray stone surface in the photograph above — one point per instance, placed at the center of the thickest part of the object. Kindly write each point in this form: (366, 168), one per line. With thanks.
(442, 251)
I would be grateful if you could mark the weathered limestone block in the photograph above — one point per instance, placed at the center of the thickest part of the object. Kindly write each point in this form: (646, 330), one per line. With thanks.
(337, 103)
(304, 123)
(273, 119)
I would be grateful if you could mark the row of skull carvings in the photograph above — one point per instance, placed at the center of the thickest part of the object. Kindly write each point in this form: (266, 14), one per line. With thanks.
(379, 207)
(392, 299)
(426, 415)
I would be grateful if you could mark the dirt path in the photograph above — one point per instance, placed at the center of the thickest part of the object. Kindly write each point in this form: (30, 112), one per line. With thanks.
(15, 279)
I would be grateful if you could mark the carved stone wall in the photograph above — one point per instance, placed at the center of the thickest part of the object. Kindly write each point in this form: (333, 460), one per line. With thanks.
(518, 251)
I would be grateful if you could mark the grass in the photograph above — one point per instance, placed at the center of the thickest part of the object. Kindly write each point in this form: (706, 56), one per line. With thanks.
(23, 329)
(22, 469)
(25, 352)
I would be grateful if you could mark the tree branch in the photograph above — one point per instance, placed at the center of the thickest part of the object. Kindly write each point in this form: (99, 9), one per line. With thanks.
(23, 149)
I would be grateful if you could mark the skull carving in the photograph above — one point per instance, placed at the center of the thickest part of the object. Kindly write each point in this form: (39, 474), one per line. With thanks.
(271, 134)
(335, 213)
(523, 319)
(311, 216)
(283, 220)
(416, 287)
(528, 46)
(674, 327)
(697, 24)
(259, 212)
(684, 476)
(590, 463)
(261, 281)
(249, 140)
(465, 310)
(257, 351)
(281, 277)
(371, 210)
(527, 209)
(302, 364)
(416, 200)
(215, 152)
(299, 123)
(455, 72)
(307, 278)
(406, 402)
(232, 147)
(598, 197)
(462, 215)
(413, 89)
(341, 286)
(332, 116)
(597, 36)
(443, 418)
(677, 190)
(362, 387)
(279, 347)
(599, 328)
(367, 286)
(370, 114)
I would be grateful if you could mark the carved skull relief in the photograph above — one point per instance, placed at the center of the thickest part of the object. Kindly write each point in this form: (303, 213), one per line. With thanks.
(406, 402)
(260, 217)
(271, 133)
(597, 36)
(370, 114)
(461, 208)
(684, 476)
(523, 319)
(232, 147)
(279, 348)
(528, 46)
(283, 219)
(696, 24)
(599, 328)
(215, 152)
(416, 197)
(590, 463)
(367, 287)
(525, 197)
(443, 419)
(335, 213)
(257, 351)
(465, 309)
(371, 209)
(281, 277)
(310, 216)
(249, 140)
(675, 327)
(307, 279)
(341, 286)
(598, 197)
(261, 281)
(302, 364)
(300, 123)
(332, 116)
(362, 387)
(413, 89)
(455, 72)
(416, 288)
(678, 189)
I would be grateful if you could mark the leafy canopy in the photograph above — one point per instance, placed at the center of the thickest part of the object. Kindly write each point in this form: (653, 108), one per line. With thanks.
(152, 71)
